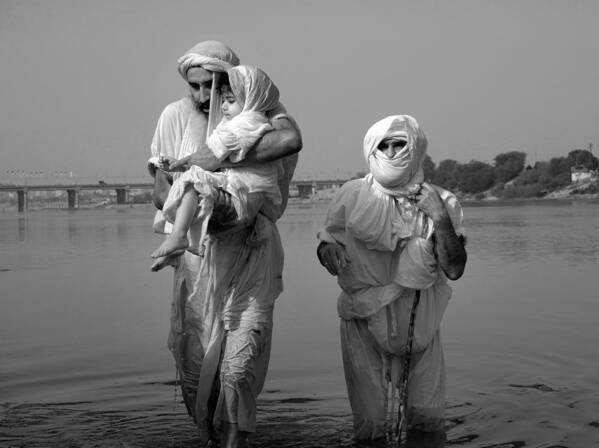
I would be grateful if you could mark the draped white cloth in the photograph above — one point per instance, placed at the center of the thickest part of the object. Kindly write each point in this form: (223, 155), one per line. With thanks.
(389, 242)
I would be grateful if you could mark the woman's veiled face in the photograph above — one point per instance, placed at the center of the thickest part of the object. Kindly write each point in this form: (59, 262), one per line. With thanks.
(391, 146)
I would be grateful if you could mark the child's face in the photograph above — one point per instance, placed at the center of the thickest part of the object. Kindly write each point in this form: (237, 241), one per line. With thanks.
(230, 106)
(392, 146)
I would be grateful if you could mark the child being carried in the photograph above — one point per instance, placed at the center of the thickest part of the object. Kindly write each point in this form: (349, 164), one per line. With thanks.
(247, 98)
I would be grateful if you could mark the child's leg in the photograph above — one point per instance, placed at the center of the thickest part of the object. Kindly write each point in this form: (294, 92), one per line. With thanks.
(177, 240)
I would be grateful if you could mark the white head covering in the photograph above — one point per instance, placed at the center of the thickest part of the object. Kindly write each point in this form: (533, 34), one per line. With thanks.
(253, 88)
(214, 57)
(256, 94)
(383, 214)
(401, 174)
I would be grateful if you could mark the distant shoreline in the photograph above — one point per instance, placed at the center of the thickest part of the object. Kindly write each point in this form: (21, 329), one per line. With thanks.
(323, 200)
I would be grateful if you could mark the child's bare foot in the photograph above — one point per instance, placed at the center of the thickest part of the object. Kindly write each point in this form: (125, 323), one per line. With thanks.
(162, 262)
(170, 245)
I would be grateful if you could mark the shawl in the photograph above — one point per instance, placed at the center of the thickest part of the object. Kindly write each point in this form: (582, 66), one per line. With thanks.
(256, 92)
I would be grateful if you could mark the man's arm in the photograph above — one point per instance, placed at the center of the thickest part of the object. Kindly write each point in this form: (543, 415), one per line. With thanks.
(284, 140)
(203, 157)
(449, 247)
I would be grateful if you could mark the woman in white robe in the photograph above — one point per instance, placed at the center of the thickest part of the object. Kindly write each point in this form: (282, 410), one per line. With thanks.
(386, 236)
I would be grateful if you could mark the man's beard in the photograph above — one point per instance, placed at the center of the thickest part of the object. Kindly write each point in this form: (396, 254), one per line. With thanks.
(203, 108)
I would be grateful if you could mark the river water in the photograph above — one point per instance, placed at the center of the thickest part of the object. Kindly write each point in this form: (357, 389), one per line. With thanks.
(83, 326)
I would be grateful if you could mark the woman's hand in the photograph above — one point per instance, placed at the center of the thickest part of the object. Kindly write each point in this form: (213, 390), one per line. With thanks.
(333, 257)
(449, 247)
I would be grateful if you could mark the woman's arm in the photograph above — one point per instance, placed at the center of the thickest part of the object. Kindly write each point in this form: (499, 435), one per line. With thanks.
(449, 247)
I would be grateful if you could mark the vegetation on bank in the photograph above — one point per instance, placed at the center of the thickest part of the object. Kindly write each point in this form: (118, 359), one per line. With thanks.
(510, 177)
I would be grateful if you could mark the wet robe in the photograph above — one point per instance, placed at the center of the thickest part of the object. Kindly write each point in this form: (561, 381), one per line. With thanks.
(389, 243)
(221, 313)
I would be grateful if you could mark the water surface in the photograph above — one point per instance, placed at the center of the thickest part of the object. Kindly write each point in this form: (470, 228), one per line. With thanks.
(83, 326)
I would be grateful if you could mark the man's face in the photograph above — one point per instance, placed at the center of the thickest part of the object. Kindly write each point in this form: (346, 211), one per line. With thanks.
(200, 85)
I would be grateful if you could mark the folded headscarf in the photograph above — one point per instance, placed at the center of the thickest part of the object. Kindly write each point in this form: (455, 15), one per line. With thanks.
(214, 57)
(402, 173)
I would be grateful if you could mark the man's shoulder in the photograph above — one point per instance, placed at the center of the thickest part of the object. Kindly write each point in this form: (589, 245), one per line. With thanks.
(181, 107)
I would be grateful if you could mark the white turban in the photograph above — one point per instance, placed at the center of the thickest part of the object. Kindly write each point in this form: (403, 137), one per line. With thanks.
(401, 173)
(210, 55)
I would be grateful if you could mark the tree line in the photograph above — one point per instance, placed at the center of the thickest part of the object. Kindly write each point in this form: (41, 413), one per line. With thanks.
(509, 176)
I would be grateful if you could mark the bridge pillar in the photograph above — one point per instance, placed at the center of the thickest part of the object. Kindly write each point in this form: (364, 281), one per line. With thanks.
(122, 195)
(305, 190)
(22, 200)
(73, 198)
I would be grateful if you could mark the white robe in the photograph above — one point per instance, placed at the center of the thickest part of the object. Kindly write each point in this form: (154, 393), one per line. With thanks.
(375, 310)
(227, 297)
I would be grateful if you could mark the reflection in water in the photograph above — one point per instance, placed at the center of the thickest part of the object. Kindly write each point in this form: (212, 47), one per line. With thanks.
(121, 229)
(22, 228)
(72, 229)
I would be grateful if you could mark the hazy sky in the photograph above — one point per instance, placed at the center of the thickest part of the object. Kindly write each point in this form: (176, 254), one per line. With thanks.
(82, 82)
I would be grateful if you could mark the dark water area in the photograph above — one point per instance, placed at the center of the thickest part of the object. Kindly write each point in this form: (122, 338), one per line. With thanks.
(83, 326)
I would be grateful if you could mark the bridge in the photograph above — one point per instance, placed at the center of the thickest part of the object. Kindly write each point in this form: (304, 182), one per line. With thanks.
(74, 186)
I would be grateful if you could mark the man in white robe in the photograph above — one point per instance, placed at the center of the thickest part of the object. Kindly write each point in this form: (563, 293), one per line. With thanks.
(222, 309)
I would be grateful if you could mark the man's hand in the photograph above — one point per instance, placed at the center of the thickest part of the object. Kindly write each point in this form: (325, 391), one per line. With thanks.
(333, 257)
(224, 211)
(429, 201)
(203, 157)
